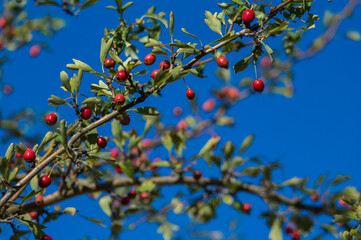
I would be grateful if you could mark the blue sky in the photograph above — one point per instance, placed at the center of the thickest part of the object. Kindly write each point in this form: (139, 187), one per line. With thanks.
(316, 131)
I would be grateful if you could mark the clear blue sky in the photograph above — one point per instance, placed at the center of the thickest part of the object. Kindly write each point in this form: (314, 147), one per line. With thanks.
(316, 131)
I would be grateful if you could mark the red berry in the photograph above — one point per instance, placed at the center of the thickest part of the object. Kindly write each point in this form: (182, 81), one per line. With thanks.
(182, 125)
(29, 155)
(296, 235)
(44, 181)
(190, 94)
(258, 85)
(46, 237)
(2, 22)
(51, 119)
(34, 214)
(197, 174)
(109, 63)
(288, 229)
(246, 208)
(34, 51)
(209, 105)
(223, 62)
(315, 197)
(144, 195)
(342, 202)
(7, 89)
(119, 99)
(177, 111)
(39, 200)
(118, 169)
(266, 62)
(164, 65)
(146, 142)
(86, 112)
(102, 142)
(154, 73)
(233, 93)
(122, 76)
(125, 201)
(248, 16)
(149, 59)
(114, 153)
(132, 194)
(124, 120)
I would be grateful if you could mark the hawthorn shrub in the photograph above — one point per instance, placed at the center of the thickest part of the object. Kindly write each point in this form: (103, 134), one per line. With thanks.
(118, 171)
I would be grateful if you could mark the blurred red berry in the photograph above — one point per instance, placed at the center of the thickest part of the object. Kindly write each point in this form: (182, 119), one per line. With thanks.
(39, 200)
(154, 73)
(114, 153)
(118, 169)
(197, 175)
(34, 214)
(177, 111)
(7, 89)
(266, 62)
(34, 51)
(2, 22)
(132, 194)
(246, 208)
(209, 105)
(144, 195)
(182, 125)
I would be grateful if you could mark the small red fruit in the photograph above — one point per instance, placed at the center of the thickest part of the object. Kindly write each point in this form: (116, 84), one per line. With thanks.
(109, 63)
(288, 229)
(164, 65)
(34, 214)
(258, 85)
(149, 59)
(246, 208)
(144, 195)
(29, 155)
(190, 94)
(39, 200)
(18, 155)
(119, 99)
(86, 113)
(177, 111)
(132, 194)
(182, 125)
(146, 142)
(7, 89)
(118, 169)
(125, 201)
(122, 76)
(209, 105)
(154, 73)
(34, 51)
(223, 62)
(51, 119)
(315, 197)
(44, 181)
(2, 22)
(114, 153)
(248, 16)
(124, 120)
(197, 175)
(296, 235)
(342, 202)
(46, 237)
(266, 62)
(102, 142)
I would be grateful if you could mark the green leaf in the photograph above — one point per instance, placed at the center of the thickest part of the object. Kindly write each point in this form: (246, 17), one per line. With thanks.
(159, 51)
(97, 221)
(242, 65)
(185, 31)
(62, 134)
(92, 100)
(79, 65)
(47, 138)
(213, 22)
(146, 186)
(75, 81)
(64, 78)
(88, 3)
(228, 150)
(152, 43)
(34, 227)
(227, 37)
(167, 229)
(339, 179)
(56, 101)
(98, 175)
(105, 46)
(70, 210)
(252, 171)
(29, 196)
(171, 24)
(127, 168)
(211, 143)
(145, 111)
(276, 230)
(105, 204)
(228, 199)
(102, 155)
(353, 35)
(161, 20)
(269, 51)
(246, 143)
